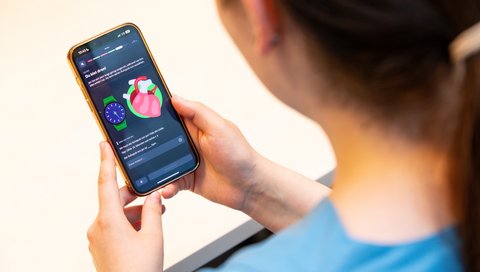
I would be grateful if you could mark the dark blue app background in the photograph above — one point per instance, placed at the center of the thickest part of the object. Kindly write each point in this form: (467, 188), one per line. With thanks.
(135, 110)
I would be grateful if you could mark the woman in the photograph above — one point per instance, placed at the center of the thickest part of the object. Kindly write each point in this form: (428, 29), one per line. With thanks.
(393, 85)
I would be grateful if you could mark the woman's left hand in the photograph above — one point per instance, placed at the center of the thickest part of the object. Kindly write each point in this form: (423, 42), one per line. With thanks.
(124, 238)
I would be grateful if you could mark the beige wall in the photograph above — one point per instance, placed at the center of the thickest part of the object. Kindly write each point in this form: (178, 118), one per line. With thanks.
(48, 138)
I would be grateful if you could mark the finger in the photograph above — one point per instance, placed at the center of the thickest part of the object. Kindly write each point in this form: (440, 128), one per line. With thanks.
(108, 196)
(133, 213)
(185, 183)
(193, 130)
(171, 190)
(202, 117)
(137, 225)
(126, 196)
(152, 215)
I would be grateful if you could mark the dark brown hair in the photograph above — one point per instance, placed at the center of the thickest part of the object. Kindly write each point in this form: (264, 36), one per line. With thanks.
(397, 51)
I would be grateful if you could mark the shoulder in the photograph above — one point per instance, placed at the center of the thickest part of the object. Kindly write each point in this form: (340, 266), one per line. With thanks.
(319, 242)
(301, 247)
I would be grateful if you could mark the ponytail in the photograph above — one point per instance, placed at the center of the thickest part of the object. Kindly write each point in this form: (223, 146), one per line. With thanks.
(465, 180)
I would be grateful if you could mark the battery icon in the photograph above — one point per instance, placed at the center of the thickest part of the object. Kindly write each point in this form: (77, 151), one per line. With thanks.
(127, 31)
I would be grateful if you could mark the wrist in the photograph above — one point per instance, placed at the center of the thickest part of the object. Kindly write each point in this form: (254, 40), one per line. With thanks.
(265, 201)
(275, 197)
(253, 193)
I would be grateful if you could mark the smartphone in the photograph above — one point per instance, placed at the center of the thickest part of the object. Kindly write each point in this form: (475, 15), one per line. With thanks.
(129, 99)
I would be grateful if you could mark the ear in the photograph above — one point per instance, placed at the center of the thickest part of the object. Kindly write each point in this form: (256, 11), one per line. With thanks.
(265, 20)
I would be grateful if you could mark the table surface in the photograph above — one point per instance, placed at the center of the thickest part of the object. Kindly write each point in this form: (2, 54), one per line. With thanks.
(49, 140)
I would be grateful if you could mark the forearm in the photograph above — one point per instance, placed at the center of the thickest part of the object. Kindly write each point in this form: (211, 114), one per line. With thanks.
(281, 196)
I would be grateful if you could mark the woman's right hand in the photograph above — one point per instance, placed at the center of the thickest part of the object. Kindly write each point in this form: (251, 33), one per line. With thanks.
(228, 163)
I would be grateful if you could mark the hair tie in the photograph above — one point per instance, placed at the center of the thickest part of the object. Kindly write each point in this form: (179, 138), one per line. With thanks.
(466, 44)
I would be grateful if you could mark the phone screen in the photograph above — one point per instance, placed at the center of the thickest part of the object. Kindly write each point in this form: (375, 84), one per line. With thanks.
(133, 105)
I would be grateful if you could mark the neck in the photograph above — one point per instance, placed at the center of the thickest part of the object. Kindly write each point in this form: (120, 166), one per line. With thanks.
(400, 186)
(387, 189)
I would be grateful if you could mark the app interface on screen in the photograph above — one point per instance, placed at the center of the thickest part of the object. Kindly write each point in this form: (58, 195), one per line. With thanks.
(135, 109)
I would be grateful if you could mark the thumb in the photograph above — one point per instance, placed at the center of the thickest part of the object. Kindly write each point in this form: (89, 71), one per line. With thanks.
(108, 195)
(152, 215)
(201, 116)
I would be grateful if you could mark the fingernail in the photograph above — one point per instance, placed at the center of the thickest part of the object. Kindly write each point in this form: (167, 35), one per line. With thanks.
(102, 145)
(155, 196)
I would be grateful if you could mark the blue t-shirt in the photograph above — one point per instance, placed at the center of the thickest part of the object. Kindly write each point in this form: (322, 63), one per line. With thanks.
(319, 242)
